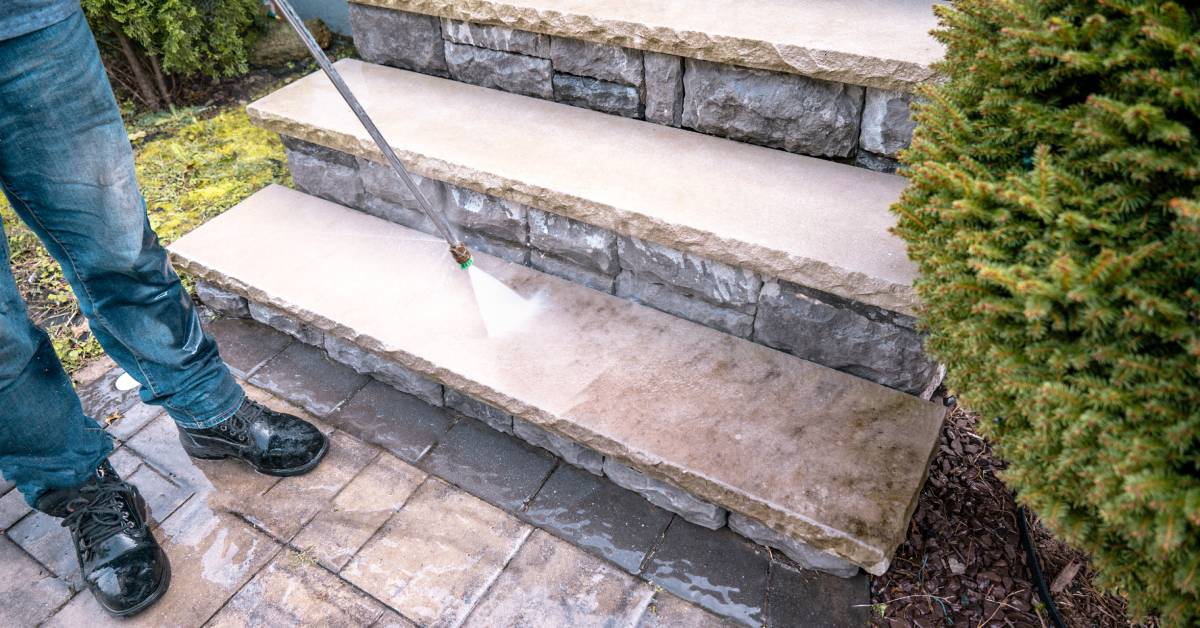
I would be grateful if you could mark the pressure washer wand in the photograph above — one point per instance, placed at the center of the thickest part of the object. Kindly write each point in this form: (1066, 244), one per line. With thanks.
(458, 250)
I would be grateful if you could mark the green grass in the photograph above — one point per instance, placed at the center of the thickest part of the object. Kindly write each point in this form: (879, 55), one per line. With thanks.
(192, 165)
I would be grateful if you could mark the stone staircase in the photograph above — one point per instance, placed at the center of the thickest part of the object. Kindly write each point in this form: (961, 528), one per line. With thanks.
(692, 197)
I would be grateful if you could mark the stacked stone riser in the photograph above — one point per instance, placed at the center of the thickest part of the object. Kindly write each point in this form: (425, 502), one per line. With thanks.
(866, 126)
(661, 493)
(864, 340)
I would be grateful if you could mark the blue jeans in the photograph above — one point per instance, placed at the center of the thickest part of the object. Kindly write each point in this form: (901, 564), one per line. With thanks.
(66, 167)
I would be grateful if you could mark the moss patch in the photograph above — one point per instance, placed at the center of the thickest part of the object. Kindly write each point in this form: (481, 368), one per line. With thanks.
(192, 165)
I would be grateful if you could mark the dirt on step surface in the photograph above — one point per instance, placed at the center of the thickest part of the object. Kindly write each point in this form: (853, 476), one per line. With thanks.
(963, 563)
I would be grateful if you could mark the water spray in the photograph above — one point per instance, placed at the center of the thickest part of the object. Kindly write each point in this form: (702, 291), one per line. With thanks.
(458, 249)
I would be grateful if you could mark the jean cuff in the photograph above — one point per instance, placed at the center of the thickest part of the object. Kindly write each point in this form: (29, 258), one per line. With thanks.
(235, 396)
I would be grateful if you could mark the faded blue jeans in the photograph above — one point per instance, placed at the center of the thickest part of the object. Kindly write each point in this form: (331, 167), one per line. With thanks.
(66, 167)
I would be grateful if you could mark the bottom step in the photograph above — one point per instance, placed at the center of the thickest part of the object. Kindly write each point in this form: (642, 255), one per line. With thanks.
(792, 448)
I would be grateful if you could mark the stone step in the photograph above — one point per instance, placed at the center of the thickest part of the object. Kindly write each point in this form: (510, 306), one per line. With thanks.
(804, 457)
(829, 79)
(790, 251)
(862, 42)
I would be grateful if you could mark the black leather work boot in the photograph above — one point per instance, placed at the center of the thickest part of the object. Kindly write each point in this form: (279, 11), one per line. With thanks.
(120, 561)
(272, 442)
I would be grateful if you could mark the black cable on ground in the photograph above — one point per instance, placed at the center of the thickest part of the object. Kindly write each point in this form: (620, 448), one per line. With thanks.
(1035, 568)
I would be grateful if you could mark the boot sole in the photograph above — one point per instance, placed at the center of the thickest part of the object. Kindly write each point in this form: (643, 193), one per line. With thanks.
(279, 473)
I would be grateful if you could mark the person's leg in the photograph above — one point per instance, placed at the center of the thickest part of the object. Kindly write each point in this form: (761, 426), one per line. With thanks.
(46, 442)
(67, 168)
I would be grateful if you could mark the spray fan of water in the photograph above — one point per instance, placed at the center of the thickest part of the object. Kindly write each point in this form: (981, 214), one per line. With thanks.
(503, 310)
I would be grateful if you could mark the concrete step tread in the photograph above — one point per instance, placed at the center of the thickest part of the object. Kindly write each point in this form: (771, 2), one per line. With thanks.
(865, 42)
(814, 453)
(813, 222)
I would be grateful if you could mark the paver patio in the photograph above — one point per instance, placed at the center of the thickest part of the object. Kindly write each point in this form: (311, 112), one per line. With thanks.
(418, 516)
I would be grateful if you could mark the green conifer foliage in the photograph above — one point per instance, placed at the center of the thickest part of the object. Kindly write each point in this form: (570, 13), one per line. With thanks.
(1054, 212)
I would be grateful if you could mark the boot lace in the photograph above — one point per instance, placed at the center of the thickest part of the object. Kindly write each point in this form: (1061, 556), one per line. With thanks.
(98, 513)
(239, 422)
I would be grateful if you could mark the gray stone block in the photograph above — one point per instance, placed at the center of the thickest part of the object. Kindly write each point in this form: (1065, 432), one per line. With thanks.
(507, 251)
(398, 38)
(574, 453)
(731, 320)
(804, 554)
(486, 215)
(386, 371)
(222, 300)
(608, 63)
(328, 180)
(278, 319)
(797, 114)
(664, 88)
(519, 74)
(666, 496)
(710, 280)
(380, 180)
(887, 125)
(578, 242)
(499, 38)
(470, 210)
(879, 347)
(571, 272)
(496, 418)
(590, 93)
(878, 163)
(397, 213)
(320, 152)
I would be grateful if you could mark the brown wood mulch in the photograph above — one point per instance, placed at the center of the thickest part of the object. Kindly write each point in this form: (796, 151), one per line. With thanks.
(963, 563)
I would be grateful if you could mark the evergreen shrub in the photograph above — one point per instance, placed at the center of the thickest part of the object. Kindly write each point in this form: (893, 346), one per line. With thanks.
(1054, 212)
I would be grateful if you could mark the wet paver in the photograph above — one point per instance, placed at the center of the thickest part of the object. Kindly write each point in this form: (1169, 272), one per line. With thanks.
(551, 583)
(668, 611)
(807, 598)
(293, 591)
(12, 508)
(395, 421)
(246, 345)
(102, 401)
(435, 558)
(44, 538)
(28, 592)
(598, 515)
(363, 506)
(495, 466)
(306, 376)
(713, 568)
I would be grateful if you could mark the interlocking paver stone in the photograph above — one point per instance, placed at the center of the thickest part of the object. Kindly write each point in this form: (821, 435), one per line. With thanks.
(133, 419)
(668, 611)
(304, 375)
(809, 598)
(246, 344)
(598, 515)
(490, 464)
(550, 583)
(398, 422)
(101, 399)
(334, 535)
(28, 593)
(437, 556)
(44, 538)
(124, 461)
(292, 591)
(212, 555)
(294, 501)
(392, 619)
(162, 496)
(713, 568)
(12, 508)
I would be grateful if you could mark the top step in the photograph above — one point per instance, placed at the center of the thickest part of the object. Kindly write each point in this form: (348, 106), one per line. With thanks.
(885, 45)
